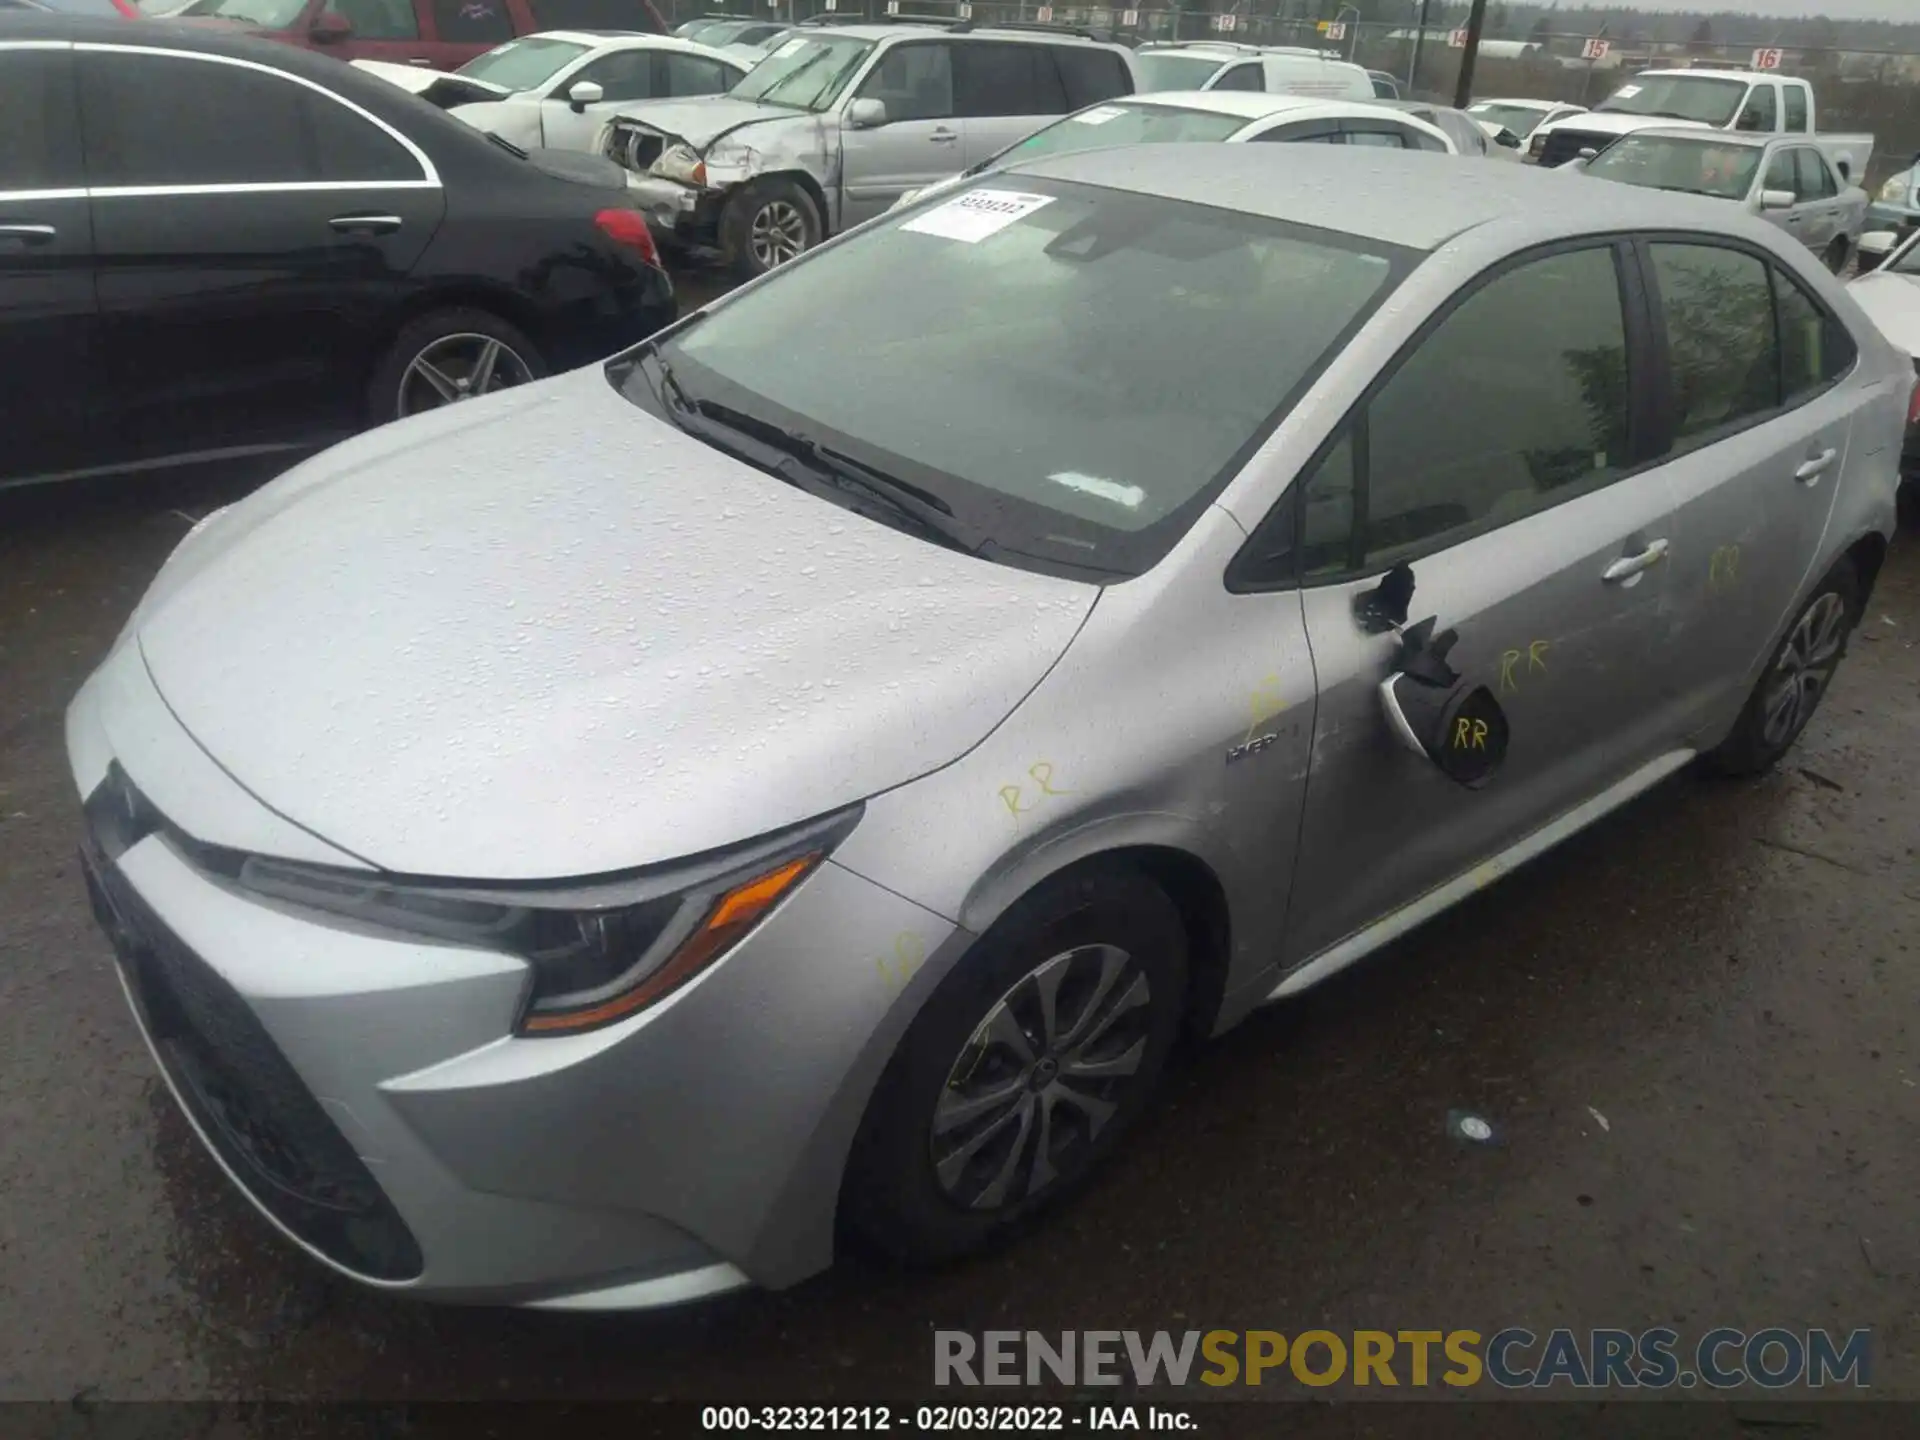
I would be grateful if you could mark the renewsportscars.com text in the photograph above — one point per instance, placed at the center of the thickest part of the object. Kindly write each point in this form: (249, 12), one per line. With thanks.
(1514, 1358)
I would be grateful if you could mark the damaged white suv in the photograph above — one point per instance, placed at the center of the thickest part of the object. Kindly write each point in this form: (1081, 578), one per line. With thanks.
(840, 121)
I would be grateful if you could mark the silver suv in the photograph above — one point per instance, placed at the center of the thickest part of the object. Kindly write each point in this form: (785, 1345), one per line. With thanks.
(840, 121)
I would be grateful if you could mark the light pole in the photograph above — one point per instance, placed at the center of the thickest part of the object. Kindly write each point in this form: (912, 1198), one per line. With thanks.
(1419, 34)
(1353, 37)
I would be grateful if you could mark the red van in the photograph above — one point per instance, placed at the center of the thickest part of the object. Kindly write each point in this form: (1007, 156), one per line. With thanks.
(441, 34)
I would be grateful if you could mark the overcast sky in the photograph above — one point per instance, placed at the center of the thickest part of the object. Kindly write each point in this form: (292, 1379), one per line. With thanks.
(1832, 9)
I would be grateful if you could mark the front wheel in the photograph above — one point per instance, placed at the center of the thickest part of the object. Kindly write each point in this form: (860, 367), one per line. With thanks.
(1792, 687)
(1023, 1070)
(769, 223)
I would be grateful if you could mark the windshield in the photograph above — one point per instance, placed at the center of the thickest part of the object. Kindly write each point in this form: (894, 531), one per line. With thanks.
(270, 14)
(1663, 162)
(807, 72)
(1124, 124)
(1174, 72)
(1517, 118)
(522, 64)
(1073, 371)
(1683, 97)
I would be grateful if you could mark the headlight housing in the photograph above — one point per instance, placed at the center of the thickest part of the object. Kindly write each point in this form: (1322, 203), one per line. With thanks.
(683, 163)
(1895, 189)
(597, 951)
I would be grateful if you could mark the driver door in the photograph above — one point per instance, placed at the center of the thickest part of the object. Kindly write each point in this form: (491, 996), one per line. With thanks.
(1501, 460)
(921, 140)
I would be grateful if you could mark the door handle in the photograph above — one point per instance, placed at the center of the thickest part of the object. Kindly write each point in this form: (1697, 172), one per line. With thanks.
(421, 60)
(28, 234)
(1813, 467)
(1628, 567)
(369, 224)
(944, 137)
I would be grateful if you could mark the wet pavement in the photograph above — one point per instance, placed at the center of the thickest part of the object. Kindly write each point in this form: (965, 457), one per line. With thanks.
(1728, 973)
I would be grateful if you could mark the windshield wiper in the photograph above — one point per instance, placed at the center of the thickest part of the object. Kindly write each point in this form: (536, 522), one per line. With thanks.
(505, 144)
(924, 512)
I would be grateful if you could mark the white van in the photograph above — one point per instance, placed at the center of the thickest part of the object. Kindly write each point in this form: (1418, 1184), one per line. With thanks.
(1223, 65)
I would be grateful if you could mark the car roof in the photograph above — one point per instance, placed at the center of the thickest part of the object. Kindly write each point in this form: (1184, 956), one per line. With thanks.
(1398, 197)
(1520, 103)
(1717, 137)
(1742, 75)
(1256, 104)
(637, 40)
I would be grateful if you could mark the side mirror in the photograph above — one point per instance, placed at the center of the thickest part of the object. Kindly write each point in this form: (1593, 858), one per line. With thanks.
(330, 27)
(1588, 153)
(1462, 731)
(1874, 247)
(583, 93)
(866, 113)
(1777, 199)
(1507, 140)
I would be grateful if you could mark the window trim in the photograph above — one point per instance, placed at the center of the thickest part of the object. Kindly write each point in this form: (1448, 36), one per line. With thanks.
(430, 176)
(1664, 417)
(59, 192)
(1640, 412)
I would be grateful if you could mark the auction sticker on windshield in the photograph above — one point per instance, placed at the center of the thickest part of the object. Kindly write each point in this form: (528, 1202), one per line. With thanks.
(792, 47)
(977, 214)
(1626, 90)
(1099, 115)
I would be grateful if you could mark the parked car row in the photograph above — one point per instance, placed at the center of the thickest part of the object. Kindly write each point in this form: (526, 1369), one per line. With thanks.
(211, 247)
(797, 780)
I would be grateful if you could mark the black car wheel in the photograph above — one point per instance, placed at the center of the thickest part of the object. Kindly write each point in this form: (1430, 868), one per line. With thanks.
(1023, 1069)
(1795, 680)
(767, 224)
(449, 356)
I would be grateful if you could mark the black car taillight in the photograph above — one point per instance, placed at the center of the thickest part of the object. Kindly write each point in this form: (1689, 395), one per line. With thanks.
(627, 227)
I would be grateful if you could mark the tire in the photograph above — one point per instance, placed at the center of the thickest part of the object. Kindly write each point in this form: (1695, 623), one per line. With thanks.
(453, 342)
(938, 1172)
(1804, 663)
(1907, 498)
(1837, 254)
(767, 224)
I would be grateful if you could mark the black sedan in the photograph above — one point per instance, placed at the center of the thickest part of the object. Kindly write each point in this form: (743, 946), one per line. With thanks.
(213, 247)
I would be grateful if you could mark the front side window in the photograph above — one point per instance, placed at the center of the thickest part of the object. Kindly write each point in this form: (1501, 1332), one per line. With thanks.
(472, 22)
(267, 14)
(994, 79)
(697, 75)
(623, 75)
(1090, 74)
(1816, 181)
(1781, 174)
(379, 19)
(1667, 162)
(164, 120)
(914, 82)
(1515, 402)
(1174, 72)
(39, 131)
(1709, 100)
(1073, 371)
(805, 73)
(1125, 123)
(1240, 77)
(523, 64)
(1719, 319)
(1796, 109)
(1759, 113)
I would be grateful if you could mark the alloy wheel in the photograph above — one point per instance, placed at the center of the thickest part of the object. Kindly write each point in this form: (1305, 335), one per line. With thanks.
(459, 367)
(778, 234)
(1040, 1077)
(1805, 666)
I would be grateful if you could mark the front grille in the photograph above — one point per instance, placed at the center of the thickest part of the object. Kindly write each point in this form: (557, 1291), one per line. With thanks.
(1564, 145)
(246, 1098)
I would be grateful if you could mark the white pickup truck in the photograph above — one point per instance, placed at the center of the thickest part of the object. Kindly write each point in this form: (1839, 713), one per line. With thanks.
(1751, 101)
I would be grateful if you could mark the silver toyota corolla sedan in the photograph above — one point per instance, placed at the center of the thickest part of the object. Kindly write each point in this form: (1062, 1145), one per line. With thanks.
(593, 847)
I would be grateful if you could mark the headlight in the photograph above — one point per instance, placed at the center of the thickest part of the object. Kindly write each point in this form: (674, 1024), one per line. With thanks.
(1537, 144)
(1895, 190)
(598, 951)
(682, 163)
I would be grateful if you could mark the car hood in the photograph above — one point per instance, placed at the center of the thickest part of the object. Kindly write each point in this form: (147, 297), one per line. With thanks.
(1598, 122)
(546, 635)
(703, 119)
(437, 87)
(1892, 302)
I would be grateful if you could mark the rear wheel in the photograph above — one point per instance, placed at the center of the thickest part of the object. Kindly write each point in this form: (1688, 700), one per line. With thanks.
(448, 356)
(1792, 687)
(1023, 1070)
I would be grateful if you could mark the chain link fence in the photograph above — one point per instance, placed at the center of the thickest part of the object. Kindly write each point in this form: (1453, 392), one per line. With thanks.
(1873, 91)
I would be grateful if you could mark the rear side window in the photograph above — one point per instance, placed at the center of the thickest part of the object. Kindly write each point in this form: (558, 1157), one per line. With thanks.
(1240, 77)
(1515, 402)
(697, 75)
(1815, 348)
(1718, 306)
(995, 79)
(472, 22)
(379, 19)
(594, 15)
(914, 82)
(164, 120)
(1090, 75)
(39, 131)
(1796, 99)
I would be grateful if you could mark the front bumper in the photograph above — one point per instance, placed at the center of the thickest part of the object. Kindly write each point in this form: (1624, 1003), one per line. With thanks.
(684, 214)
(368, 1095)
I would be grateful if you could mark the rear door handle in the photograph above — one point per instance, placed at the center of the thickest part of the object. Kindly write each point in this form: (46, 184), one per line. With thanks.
(421, 60)
(944, 137)
(1627, 568)
(28, 234)
(366, 224)
(1813, 467)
